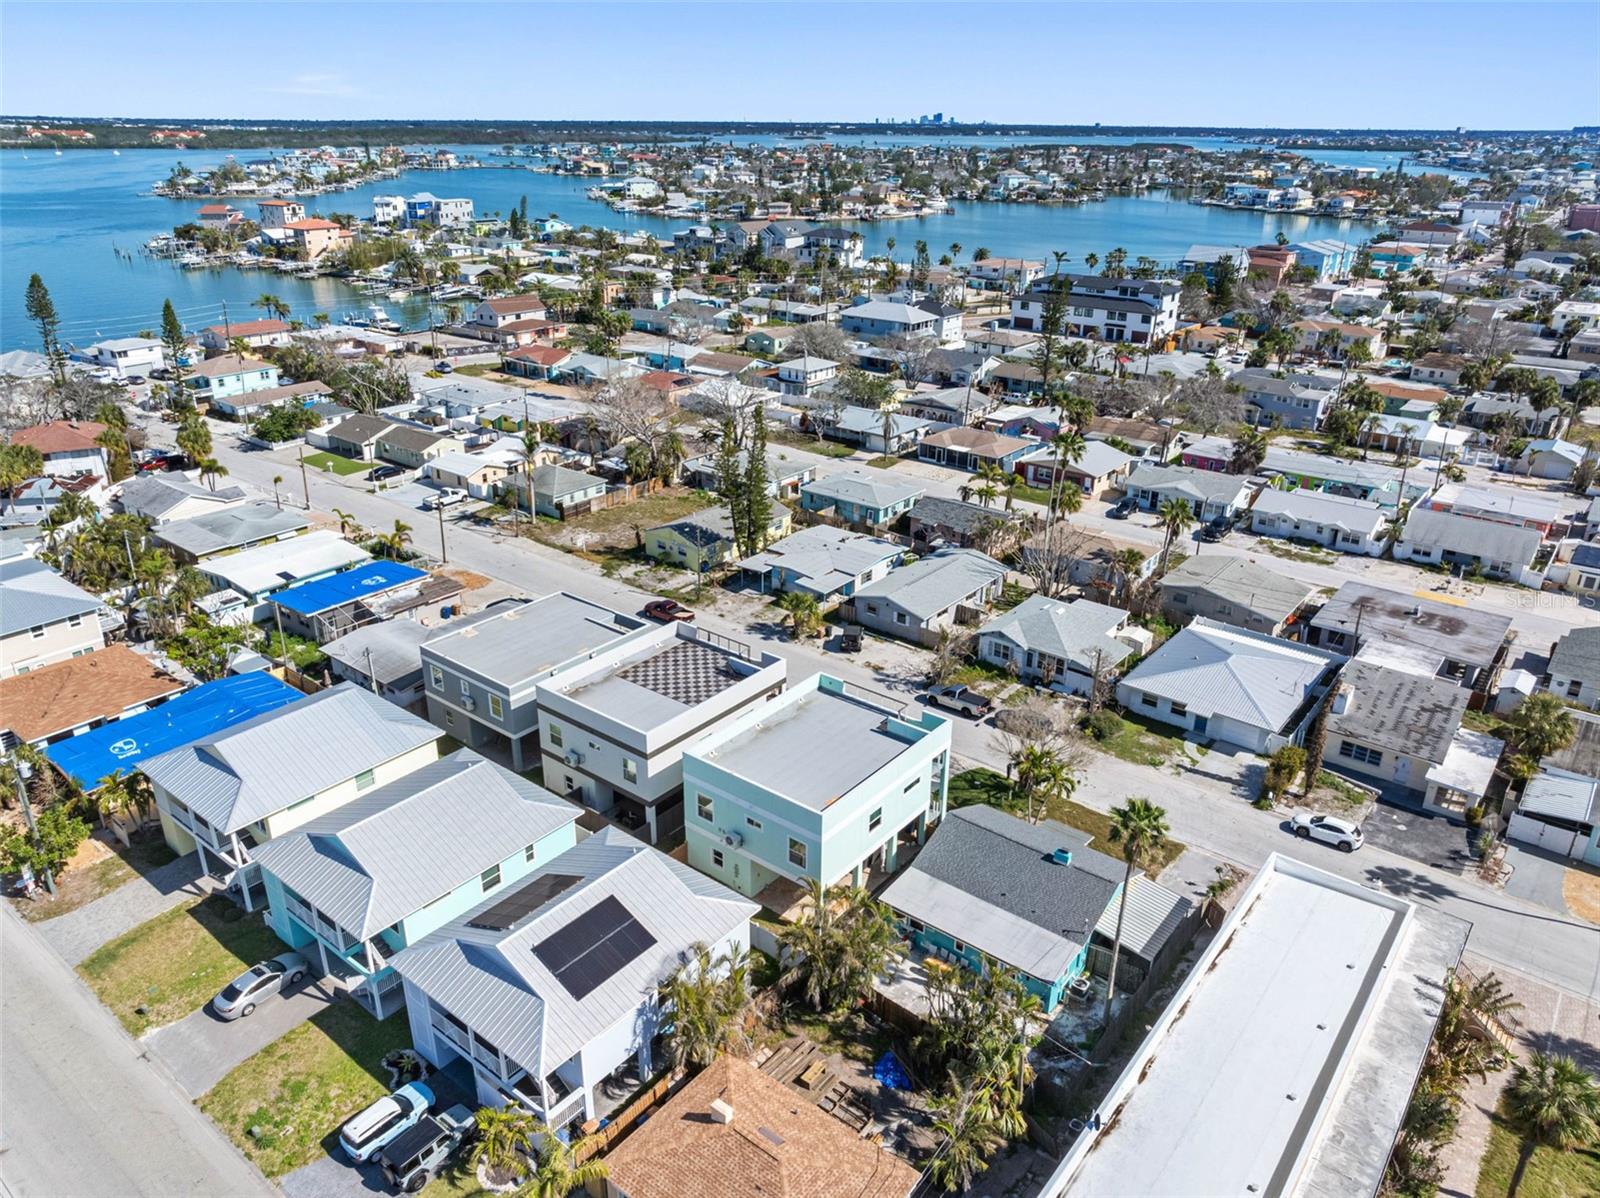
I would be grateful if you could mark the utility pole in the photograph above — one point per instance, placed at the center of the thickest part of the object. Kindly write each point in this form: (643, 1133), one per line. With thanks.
(305, 481)
(371, 677)
(24, 772)
(444, 553)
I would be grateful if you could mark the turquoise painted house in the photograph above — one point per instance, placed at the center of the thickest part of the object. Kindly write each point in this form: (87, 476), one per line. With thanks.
(861, 497)
(352, 888)
(1030, 897)
(824, 782)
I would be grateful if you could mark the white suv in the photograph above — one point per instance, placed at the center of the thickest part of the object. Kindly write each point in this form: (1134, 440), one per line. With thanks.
(1330, 829)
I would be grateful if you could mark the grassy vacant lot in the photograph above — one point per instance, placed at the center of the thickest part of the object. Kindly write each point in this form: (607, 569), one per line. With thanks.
(616, 530)
(335, 463)
(1140, 742)
(95, 872)
(173, 963)
(1550, 1174)
(986, 786)
(300, 1088)
(799, 440)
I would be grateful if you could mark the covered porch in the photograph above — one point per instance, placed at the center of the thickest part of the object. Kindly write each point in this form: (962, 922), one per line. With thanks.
(1463, 778)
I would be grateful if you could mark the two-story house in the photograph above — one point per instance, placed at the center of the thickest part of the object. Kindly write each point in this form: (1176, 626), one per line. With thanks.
(229, 793)
(229, 375)
(352, 888)
(70, 448)
(482, 674)
(870, 497)
(125, 357)
(1297, 399)
(43, 618)
(613, 728)
(552, 986)
(1140, 311)
(823, 783)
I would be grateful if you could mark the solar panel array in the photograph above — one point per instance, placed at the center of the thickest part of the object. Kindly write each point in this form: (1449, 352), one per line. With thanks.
(521, 903)
(594, 947)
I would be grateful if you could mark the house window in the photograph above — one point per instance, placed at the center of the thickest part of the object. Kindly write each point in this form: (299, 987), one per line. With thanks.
(490, 878)
(1149, 700)
(364, 779)
(529, 853)
(753, 822)
(1179, 708)
(1360, 753)
(466, 690)
(959, 946)
(1000, 650)
(496, 707)
(797, 852)
(916, 925)
(630, 769)
(716, 858)
(875, 820)
(555, 736)
(703, 807)
(36, 632)
(900, 617)
(74, 621)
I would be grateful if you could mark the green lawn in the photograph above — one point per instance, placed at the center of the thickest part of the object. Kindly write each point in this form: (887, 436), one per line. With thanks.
(827, 449)
(1140, 742)
(172, 964)
(1550, 1174)
(300, 1088)
(303, 654)
(986, 786)
(332, 461)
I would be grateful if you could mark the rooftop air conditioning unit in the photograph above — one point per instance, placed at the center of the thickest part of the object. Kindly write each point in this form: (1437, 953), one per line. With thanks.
(733, 839)
(468, 703)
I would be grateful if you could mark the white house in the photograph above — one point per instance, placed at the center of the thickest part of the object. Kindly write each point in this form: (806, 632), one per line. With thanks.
(1335, 521)
(125, 357)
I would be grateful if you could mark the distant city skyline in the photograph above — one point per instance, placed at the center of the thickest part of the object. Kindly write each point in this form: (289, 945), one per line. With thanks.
(1320, 66)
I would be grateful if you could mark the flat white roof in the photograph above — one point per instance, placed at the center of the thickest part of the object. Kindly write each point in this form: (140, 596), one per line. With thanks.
(1240, 1087)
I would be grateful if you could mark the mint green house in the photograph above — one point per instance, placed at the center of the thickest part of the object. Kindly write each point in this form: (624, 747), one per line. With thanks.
(824, 782)
(351, 888)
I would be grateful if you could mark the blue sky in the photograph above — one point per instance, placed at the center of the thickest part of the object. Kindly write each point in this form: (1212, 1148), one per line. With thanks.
(1345, 65)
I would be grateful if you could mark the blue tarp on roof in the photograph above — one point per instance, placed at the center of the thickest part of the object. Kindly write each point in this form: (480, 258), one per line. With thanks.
(369, 578)
(203, 711)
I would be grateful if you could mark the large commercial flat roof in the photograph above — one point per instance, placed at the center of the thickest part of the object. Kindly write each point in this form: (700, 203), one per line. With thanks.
(1304, 1022)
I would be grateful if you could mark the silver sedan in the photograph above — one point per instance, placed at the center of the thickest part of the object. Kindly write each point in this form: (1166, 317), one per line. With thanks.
(240, 996)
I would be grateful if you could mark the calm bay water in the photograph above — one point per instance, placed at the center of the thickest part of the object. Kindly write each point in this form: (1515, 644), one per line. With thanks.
(65, 217)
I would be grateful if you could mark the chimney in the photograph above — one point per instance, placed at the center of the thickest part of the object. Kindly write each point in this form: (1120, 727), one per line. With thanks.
(721, 1111)
(1341, 700)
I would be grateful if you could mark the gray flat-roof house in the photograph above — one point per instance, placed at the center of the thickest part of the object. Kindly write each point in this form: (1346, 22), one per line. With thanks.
(1421, 635)
(227, 794)
(1293, 400)
(482, 678)
(1334, 521)
(1208, 493)
(1232, 590)
(1029, 896)
(1400, 729)
(555, 488)
(1446, 539)
(1242, 688)
(358, 884)
(870, 497)
(241, 527)
(830, 563)
(920, 601)
(613, 728)
(1574, 671)
(1063, 645)
(548, 988)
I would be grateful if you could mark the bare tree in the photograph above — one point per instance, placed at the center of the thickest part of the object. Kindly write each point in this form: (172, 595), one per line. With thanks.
(723, 399)
(953, 651)
(819, 339)
(915, 356)
(1211, 402)
(627, 410)
(1049, 556)
(1039, 723)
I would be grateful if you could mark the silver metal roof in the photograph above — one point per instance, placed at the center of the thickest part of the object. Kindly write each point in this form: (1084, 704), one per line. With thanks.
(1217, 670)
(496, 984)
(228, 529)
(1208, 486)
(1152, 915)
(387, 651)
(874, 488)
(937, 582)
(1563, 795)
(521, 645)
(1072, 632)
(823, 558)
(390, 852)
(260, 767)
(1336, 511)
(31, 594)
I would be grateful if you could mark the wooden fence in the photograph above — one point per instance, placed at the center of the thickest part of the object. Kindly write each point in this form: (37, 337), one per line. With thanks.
(615, 496)
(627, 1118)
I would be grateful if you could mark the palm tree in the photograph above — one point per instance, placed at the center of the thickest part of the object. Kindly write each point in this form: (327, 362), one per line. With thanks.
(1555, 1103)
(272, 305)
(277, 480)
(1249, 451)
(211, 470)
(346, 521)
(707, 997)
(1177, 518)
(965, 1122)
(18, 464)
(1140, 827)
(1542, 725)
(394, 542)
(559, 1169)
(803, 611)
(504, 1137)
(842, 942)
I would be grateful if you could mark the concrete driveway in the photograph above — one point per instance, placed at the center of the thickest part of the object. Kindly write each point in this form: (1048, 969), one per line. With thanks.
(201, 1049)
(78, 933)
(1537, 876)
(1422, 836)
(333, 1177)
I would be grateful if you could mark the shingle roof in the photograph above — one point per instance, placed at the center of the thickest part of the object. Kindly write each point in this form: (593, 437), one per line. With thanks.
(155, 495)
(388, 853)
(494, 982)
(60, 436)
(1216, 670)
(937, 582)
(937, 511)
(1208, 486)
(1577, 655)
(1484, 539)
(991, 880)
(94, 686)
(360, 429)
(1240, 581)
(31, 594)
(260, 767)
(1397, 710)
(1072, 632)
(558, 480)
